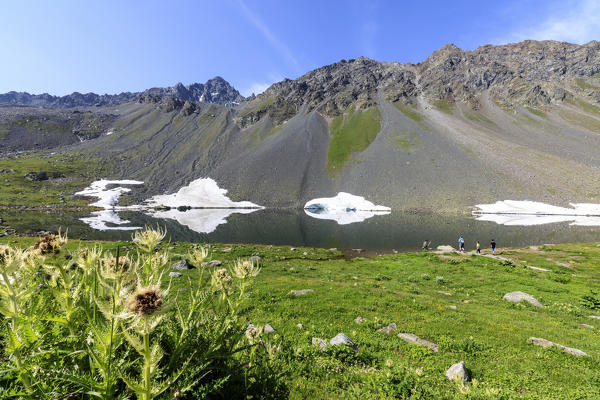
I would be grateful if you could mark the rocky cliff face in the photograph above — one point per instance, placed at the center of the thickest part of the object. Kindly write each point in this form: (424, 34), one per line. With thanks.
(216, 90)
(529, 73)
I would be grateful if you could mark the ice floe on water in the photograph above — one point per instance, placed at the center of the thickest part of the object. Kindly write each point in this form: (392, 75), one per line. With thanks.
(527, 213)
(107, 198)
(201, 220)
(344, 208)
(201, 193)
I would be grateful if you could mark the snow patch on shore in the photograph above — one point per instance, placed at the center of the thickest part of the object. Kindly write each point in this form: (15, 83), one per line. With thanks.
(528, 213)
(344, 208)
(201, 193)
(201, 220)
(107, 198)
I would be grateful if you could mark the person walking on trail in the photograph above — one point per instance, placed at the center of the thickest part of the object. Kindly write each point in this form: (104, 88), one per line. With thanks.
(461, 243)
(478, 247)
(493, 244)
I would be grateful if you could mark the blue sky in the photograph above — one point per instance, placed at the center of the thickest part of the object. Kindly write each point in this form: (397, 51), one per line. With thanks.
(111, 46)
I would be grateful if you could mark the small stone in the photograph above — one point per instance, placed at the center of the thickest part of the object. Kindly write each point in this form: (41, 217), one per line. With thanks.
(227, 249)
(445, 248)
(305, 254)
(360, 320)
(444, 293)
(458, 371)
(453, 307)
(301, 292)
(333, 249)
(293, 249)
(595, 316)
(175, 274)
(412, 338)
(213, 263)
(255, 259)
(357, 250)
(466, 301)
(388, 330)
(182, 265)
(587, 326)
(300, 326)
(340, 338)
(268, 329)
(516, 297)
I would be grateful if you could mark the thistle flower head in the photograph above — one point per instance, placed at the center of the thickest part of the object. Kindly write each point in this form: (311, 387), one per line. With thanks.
(146, 301)
(253, 333)
(4, 251)
(221, 280)
(149, 238)
(244, 269)
(88, 258)
(49, 244)
(197, 256)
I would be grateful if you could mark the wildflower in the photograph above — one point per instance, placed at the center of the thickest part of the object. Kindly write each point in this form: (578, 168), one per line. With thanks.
(245, 269)
(198, 255)
(149, 238)
(145, 301)
(221, 280)
(111, 263)
(389, 363)
(252, 333)
(49, 244)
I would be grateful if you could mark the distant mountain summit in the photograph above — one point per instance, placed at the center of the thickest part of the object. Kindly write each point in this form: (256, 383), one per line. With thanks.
(216, 90)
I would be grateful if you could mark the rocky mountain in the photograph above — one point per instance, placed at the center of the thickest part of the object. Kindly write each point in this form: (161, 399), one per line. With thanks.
(216, 90)
(518, 121)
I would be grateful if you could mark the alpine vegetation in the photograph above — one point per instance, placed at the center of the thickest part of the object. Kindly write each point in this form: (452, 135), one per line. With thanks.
(111, 325)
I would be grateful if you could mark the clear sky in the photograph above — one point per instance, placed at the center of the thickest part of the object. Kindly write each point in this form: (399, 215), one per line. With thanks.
(110, 46)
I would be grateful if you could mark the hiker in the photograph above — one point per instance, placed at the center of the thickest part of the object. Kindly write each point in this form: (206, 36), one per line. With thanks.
(493, 244)
(478, 247)
(461, 243)
(426, 245)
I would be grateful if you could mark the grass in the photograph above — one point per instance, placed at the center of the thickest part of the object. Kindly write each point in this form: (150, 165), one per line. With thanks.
(409, 112)
(351, 133)
(478, 117)
(78, 172)
(537, 112)
(582, 84)
(444, 105)
(488, 333)
(582, 120)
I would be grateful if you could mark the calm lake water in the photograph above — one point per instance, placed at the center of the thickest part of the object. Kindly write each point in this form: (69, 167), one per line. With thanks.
(295, 228)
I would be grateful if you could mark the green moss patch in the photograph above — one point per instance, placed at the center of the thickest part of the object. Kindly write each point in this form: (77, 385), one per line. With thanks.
(351, 133)
(537, 112)
(445, 105)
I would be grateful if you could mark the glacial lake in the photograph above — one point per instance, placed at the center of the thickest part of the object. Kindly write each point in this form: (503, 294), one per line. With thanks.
(380, 233)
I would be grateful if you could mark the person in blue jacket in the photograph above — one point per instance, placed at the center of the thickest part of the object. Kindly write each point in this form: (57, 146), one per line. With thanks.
(461, 243)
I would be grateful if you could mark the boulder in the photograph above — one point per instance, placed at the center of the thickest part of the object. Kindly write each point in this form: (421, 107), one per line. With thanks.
(7, 171)
(458, 371)
(516, 297)
(175, 274)
(213, 263)
(388, 330)
(445, 248)
(301, 292)
(36, 176)
(182, 265)
(412, 338)
(340, 339)
(547, 343)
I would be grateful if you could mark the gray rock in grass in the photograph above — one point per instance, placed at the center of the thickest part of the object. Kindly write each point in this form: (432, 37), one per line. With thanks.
(458, 371)
(182, 265)
(517, 297)
(175, 274)
(547, 343)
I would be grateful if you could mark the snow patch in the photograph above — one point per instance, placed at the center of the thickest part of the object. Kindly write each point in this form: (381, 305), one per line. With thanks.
(344, 208)
(107, 198)
(109, 133)
(201, 193)
(201, 220)
(528, 213)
